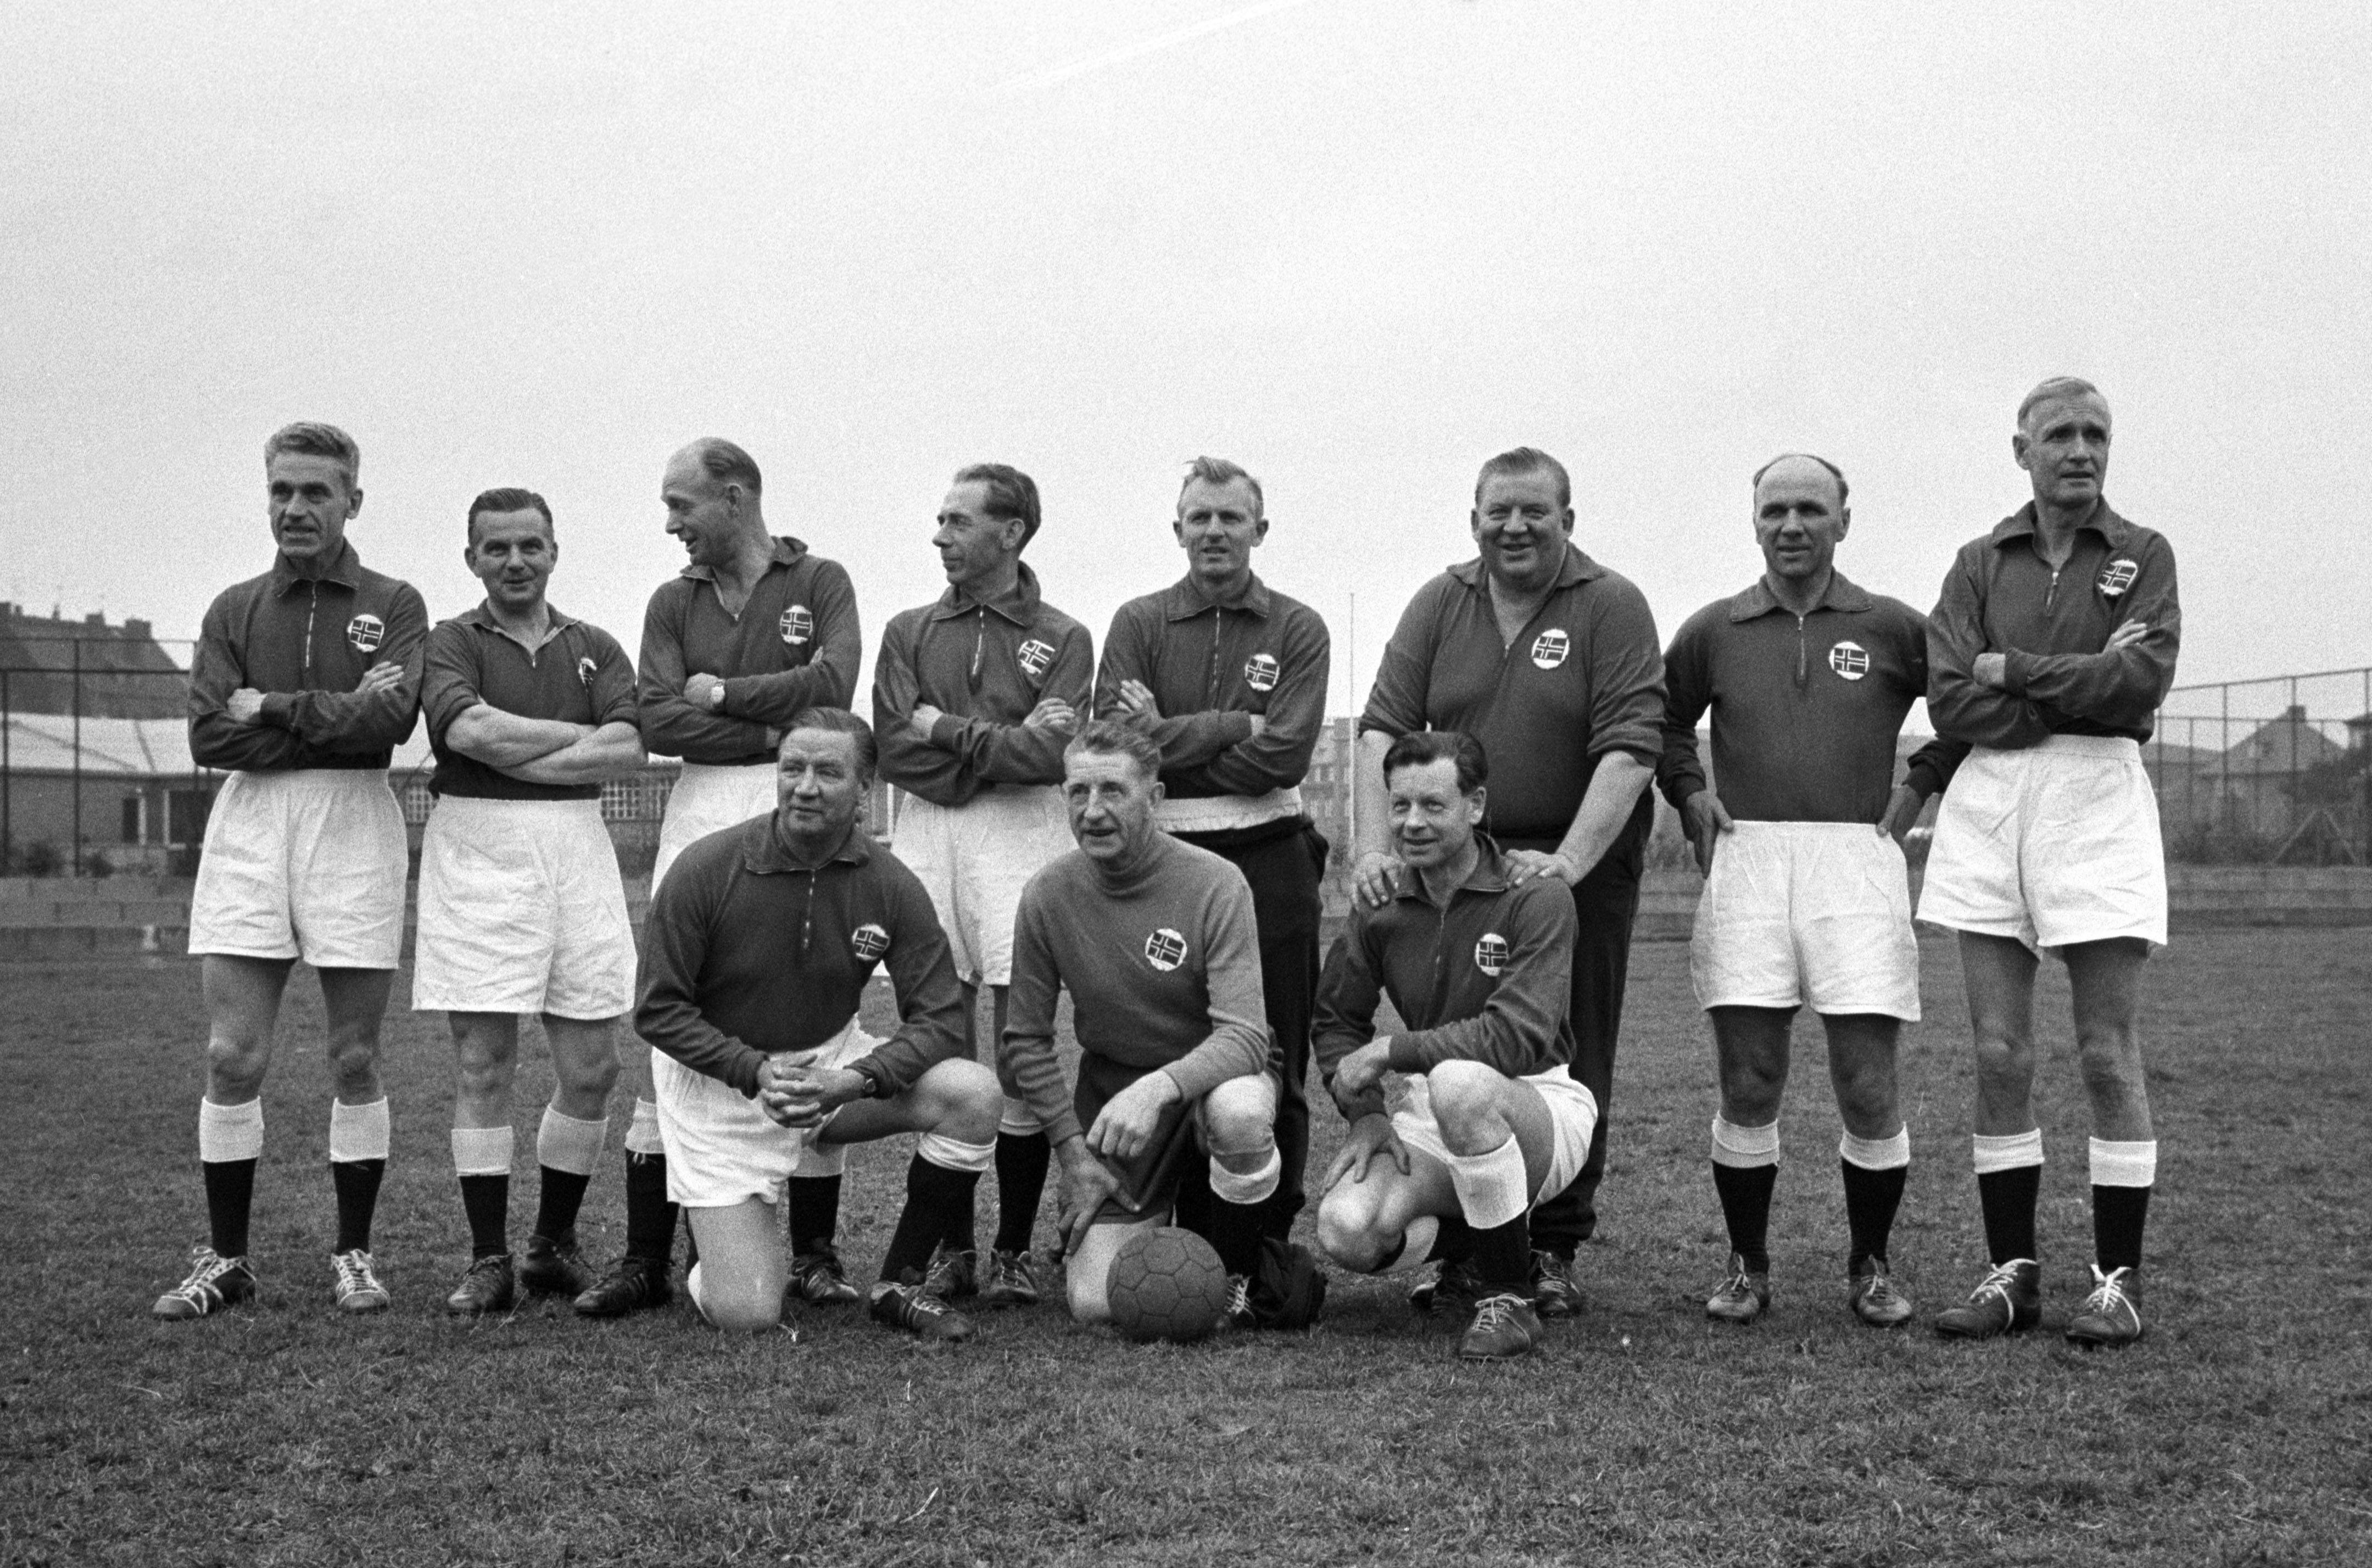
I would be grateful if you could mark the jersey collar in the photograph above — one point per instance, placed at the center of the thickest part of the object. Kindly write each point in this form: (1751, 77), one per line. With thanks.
(1842, 595)
(1489, 876)
(482, 616)
(347, 571)
(2114, 532)
(764, 857)
(1577, 568)
(787, 552)
(1019, 607)
(1185, 600)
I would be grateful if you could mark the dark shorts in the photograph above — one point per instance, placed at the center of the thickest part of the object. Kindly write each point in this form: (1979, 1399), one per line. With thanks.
(1151, 1180)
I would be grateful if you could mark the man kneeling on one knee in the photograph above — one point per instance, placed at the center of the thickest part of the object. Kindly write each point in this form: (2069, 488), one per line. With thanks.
(761, 943)
(1468, 1115)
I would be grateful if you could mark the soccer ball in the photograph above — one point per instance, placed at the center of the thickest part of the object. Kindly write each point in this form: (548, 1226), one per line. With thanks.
(1165, 1284)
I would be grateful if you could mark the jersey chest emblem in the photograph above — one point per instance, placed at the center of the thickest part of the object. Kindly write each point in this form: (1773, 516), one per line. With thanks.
(1261, 672)
(1490, 954)
(1849, 659)
(868, 942)
(2117, 576)
(1034, 656)
(1549, 649)
(585, 671)
(365, 632)
(1165, 949)
(797, 625)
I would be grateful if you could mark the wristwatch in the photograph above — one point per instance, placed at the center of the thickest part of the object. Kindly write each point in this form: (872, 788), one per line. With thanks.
(717, 697)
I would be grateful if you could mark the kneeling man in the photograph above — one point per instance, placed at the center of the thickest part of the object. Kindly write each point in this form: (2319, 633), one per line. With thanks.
(1156, 940)
(760, 942)
(1470, 1112)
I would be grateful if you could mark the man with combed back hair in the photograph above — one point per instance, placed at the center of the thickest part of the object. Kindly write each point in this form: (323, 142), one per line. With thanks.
(1229, 677)
(760, 947)
(306, 679)
(1552, 663)
(1469, 1112)
(752, 632)
(2048, 654)
(1156, 942)
(976, 694)
(529, 711)
(1807, 897)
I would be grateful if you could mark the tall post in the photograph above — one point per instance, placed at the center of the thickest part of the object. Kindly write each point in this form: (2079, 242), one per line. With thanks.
(75, 859)
(7, 780)
(1351, 753)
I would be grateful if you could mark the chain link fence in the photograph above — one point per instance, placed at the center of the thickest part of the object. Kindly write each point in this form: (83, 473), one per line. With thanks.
(97, 779)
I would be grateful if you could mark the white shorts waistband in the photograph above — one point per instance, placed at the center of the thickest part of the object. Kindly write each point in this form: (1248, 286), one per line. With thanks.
(2115, 746)
(1222, 813)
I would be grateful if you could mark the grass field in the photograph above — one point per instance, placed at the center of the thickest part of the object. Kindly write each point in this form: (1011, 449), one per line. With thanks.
(2240, 1432)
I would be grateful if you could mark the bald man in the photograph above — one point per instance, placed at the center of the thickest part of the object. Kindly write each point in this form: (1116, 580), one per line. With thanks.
(2049, 653)
(1799, 833)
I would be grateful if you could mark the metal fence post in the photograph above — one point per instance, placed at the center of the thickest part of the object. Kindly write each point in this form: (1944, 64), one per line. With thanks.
(73, 861)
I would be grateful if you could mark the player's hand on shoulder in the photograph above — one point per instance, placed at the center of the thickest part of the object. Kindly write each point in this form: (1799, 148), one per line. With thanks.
(1369, 1137)
(1706, 819)
(1052, 714)
(1128, 1121)
(1375, 878)
(1523, 864)
(245, 705)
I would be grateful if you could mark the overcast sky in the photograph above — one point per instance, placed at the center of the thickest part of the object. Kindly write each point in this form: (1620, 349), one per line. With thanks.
(1358, 247)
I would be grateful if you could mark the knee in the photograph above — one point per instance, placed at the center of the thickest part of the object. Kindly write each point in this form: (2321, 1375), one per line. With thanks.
(971, 1101)
(236, 1063)
(1085, 1289)
(1465, 1097)
(590, 1072)
(1346, 1233)
(487, 1077)
(354, 1057)
(2110, 1060)
(1239, 1118)
(2002, 1056)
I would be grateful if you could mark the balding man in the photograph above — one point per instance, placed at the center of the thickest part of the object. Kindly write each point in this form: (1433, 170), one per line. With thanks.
(1807, 898)
(1552, 663)
(2049, 653)
(751, 633)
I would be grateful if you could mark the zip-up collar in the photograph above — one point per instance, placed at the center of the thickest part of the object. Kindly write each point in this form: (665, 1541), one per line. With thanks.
(1019, 607)
(1841, 595)
(1576, 568)
(787, 552)
(762, 855)
(482, 616)
(2114, 530)
(1489, 876)
(345, 570)
(1185, 600)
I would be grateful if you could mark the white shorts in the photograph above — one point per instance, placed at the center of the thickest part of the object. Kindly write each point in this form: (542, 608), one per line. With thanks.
(2051, 845)
(974, 859)
(1573, 1117)
(708, 799)
(305, 864)
(721, 1148)
(1797, 913)
(521, 910)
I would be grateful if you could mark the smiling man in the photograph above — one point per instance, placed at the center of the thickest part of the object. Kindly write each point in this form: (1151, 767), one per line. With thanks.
(1469, 1111)
(1154, 940)
(976, 695)
(306, 679)
(1807, 897)
(758, 953)
(1229, 677)
(1551, 662)
(521, 909)
(753, 631)
(2049, 653)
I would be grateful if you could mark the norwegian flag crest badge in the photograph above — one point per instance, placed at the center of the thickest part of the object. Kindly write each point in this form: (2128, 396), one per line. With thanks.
(1261, 672)
(1849, 659)
(868, 942)
(797, 625)
(1165, 949)
(1490, 954)
(1034, 656)
(365, 632)
(2118, 575)
(1549, 649)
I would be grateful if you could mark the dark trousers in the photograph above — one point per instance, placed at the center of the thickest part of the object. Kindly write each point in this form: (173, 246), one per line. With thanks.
(1606, 901)
(1283, 862)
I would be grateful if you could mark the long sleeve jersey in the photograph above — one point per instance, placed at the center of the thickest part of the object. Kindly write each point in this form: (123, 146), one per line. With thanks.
(1804, 709)
(1585, 677)
(1211, 667)
(1163, 967)
(306, 643)
(796, 644)
(579, 676)
(1487, 978)
(2053, 628)
(984, 665)
(748, 954)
